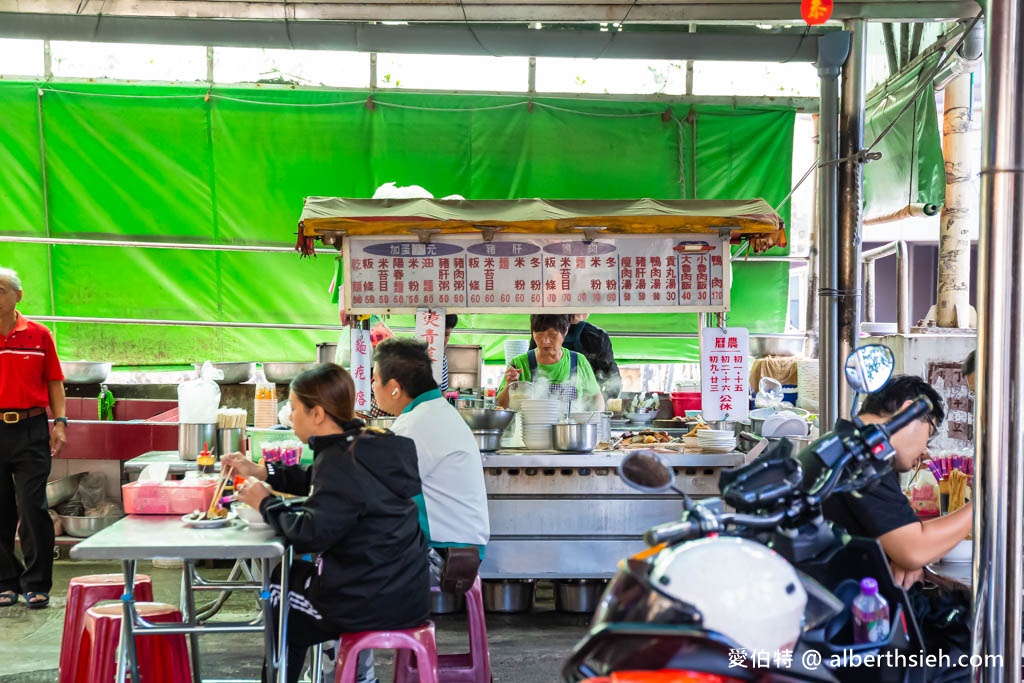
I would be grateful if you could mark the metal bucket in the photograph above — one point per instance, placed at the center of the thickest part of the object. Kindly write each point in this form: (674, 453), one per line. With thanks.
(191, 438)
(446, 603)
(508, 595)
(229, 440)
(580, 596)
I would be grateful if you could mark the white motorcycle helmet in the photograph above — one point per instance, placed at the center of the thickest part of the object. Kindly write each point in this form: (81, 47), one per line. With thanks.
(742, 589)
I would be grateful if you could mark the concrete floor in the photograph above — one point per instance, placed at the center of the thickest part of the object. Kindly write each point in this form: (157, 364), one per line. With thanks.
(525, 648)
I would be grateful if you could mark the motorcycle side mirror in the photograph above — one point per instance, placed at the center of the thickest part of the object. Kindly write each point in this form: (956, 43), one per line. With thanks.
(646, 472)
(868, 368)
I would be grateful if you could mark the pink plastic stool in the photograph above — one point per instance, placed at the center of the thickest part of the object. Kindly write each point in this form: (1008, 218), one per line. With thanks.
(420, 640)
(83, 593)
(162, 658)
(466, 667)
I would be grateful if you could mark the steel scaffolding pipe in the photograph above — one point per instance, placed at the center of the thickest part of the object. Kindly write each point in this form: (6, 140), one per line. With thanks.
(1000, 377)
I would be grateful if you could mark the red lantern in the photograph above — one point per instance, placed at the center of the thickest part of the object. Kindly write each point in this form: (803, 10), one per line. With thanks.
(816, 12)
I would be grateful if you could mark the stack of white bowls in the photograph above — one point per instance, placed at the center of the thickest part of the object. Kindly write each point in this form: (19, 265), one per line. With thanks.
(716, 440)
(515, 347)
(538, 415)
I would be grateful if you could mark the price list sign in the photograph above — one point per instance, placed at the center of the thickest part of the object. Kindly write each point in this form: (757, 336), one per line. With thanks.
(724, 368)
(465, 273)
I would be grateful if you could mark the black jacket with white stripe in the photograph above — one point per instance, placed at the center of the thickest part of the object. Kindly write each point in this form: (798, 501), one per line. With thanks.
(360, 516)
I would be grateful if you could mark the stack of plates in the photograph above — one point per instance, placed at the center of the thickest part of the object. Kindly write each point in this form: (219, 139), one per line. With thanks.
(716, 440)
(538, 415)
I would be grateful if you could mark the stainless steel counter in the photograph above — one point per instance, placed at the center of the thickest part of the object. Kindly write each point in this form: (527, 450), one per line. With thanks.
(524, 458)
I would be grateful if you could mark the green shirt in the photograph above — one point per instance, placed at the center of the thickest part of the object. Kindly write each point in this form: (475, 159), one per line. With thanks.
(558, 373)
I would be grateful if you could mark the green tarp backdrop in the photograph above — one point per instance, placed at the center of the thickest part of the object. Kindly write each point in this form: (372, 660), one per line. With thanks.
(232, 166)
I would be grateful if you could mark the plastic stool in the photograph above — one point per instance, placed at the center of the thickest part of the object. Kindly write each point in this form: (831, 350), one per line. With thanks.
(466, 667)
(163, 658)
(83, 593)
(420, 640)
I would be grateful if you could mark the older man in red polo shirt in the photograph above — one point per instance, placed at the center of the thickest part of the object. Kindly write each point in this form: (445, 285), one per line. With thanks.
(30, 380)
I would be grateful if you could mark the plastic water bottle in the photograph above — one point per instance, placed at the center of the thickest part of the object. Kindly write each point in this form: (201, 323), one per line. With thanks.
(870, 614)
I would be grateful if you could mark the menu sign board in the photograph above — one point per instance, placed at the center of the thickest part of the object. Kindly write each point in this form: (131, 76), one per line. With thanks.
(361, 366)
(723, 373)
(464, 273)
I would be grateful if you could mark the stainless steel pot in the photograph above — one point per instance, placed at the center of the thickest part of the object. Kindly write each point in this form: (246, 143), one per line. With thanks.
(472, 403)
(83, 527)
(446, 603)
(487, 418)
(234, 373)
(192, 437)
(326, 352)
(575, 438)
(283, 373)
(60, 490)
(382, 422)
(85, 372)
(580, 596)
(488, 439)
(776, 345)
(508, 595)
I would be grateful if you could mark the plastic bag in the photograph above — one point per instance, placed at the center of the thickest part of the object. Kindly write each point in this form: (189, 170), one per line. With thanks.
(199, 399)
(379, 333)
(92, 490)
(769, 393)
(343, 353)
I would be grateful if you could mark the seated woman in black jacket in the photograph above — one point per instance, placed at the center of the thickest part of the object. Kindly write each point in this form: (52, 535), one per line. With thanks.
(372, 573)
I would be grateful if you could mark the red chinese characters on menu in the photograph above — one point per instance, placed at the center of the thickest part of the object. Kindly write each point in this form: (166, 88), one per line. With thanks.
(724, 373)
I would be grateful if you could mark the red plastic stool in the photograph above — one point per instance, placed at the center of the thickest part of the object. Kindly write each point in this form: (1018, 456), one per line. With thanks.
(466, 667)
(83, 593)
(162, 658)
(420, 640)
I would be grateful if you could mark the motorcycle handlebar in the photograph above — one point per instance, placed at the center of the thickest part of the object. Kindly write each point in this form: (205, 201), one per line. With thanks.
(916, 410)
(670, 533)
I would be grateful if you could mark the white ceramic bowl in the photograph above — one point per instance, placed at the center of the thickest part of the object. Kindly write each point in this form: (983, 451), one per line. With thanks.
(640, 418)
(961, 552)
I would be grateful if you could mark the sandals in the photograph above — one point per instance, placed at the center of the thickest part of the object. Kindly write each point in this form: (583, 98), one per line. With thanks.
(35, 604)
(8, 598)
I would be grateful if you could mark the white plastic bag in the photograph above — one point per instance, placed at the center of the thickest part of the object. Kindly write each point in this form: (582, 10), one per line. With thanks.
(198, 399)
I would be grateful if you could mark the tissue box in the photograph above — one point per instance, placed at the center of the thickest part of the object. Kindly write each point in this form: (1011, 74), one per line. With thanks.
(167, 497)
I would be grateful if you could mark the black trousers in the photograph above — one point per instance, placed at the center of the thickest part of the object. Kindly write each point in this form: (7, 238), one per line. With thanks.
(24, 469)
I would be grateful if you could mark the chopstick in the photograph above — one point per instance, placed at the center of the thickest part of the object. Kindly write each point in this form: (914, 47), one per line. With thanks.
(224, 477)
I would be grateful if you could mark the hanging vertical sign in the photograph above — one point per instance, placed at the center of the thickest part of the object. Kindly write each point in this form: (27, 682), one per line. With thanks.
(360, 369)
(430, 328)
(815, 12)
(724, 357)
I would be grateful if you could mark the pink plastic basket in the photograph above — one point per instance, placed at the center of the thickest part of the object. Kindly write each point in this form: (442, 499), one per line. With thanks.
(167, 497)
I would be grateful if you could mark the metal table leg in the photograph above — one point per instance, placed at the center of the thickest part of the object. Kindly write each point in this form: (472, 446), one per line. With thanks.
(127, 656)
(282, 627)
(187, 578)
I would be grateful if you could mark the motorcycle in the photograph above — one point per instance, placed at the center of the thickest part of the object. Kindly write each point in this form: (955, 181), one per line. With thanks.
(761, 593)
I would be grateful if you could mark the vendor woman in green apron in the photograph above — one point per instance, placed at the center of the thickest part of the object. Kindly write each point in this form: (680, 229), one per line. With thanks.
(568, 372)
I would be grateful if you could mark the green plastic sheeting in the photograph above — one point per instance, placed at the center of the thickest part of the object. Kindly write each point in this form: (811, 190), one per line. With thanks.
(232, 166)
(911, 170)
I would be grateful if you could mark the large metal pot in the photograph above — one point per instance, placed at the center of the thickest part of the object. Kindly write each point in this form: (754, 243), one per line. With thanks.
(508, 595)
(580, 595)
(574, 438)
(758, 416)
(776, 345)
(234, 373)
(326, 352)
(487, 418)
(83, 527)
(488, 440)
(283, 373)
(60, 490)
(85, 372)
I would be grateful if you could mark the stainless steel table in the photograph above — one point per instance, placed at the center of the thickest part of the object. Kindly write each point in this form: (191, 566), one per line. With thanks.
(144, 537)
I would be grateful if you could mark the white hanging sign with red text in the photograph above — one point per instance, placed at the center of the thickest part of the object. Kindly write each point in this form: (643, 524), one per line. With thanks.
(361, 367)
(724, 369)
(430, 328)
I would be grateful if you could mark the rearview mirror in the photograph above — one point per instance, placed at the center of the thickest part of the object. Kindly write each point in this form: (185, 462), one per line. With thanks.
(869, 367)
(647, 472)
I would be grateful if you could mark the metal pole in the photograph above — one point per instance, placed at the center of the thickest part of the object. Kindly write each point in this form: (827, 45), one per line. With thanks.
(832, 51)
(811, 319)
(960, 211)
(851, 181)
(1000, 395)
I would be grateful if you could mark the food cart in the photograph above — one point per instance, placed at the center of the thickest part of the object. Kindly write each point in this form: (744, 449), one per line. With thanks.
(553, 515)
